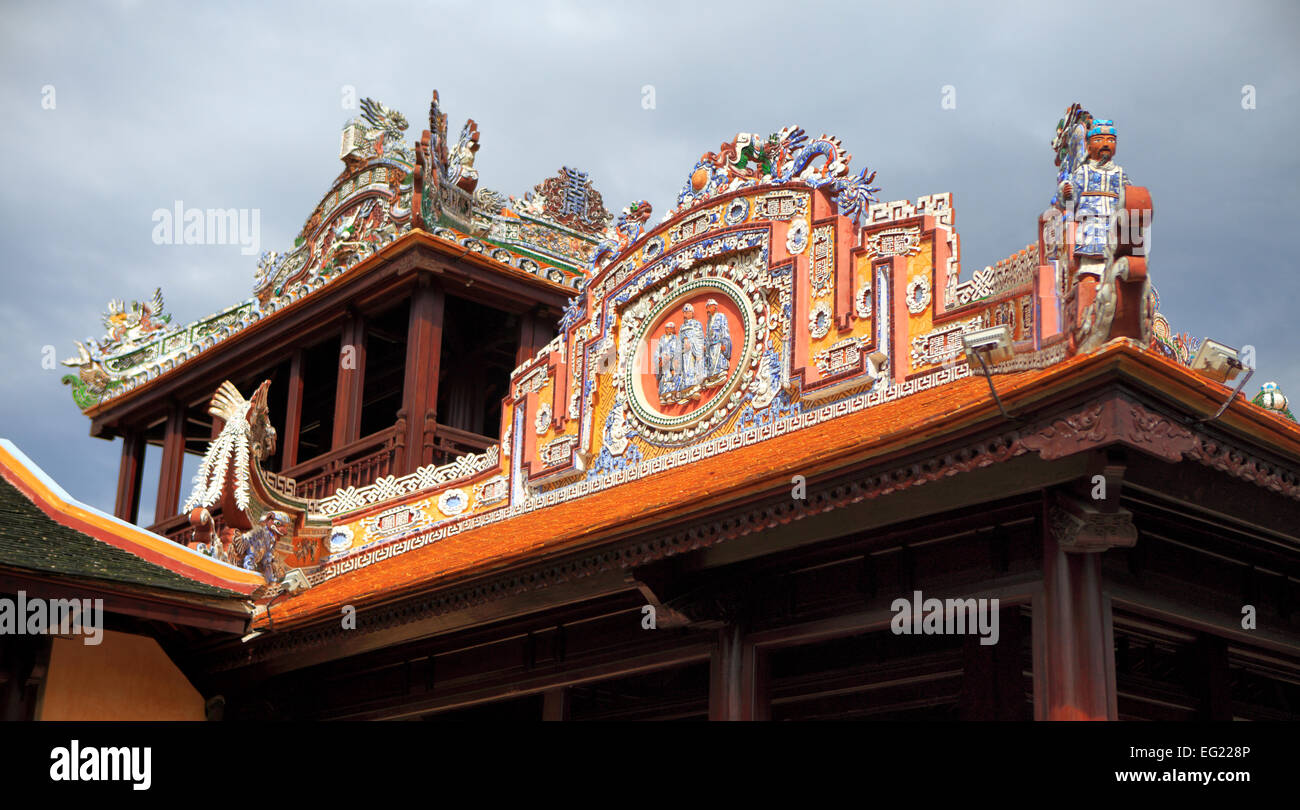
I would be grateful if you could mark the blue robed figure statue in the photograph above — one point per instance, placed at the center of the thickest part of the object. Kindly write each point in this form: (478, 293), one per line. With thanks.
(717, 345)
(1091, 194)
(667, 362)
(692, 338)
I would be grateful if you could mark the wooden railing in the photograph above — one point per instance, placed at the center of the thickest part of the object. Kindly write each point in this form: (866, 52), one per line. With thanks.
(357, 465)
(353, 465)
(177, 528)
(450, 443)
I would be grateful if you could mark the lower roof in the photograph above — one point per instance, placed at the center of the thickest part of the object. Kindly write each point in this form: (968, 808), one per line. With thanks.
(45, 530)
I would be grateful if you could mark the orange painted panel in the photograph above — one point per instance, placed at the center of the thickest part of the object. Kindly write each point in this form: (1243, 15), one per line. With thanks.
(127, 677)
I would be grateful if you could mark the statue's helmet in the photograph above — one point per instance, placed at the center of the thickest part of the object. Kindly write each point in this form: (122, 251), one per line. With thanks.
(1102, 126)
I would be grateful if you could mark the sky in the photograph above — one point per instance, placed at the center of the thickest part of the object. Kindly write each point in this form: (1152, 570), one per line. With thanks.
(116, 109)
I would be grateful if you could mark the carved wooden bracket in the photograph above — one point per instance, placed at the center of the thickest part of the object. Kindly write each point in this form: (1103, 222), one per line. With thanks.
(1108, 421)
(1081, 527)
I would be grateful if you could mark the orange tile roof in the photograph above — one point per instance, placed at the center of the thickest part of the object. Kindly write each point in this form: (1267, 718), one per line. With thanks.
(870, 433)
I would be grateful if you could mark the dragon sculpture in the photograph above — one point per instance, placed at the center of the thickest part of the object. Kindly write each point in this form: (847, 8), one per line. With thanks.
(784, 157)
(126, 329)
(628, 228)
(460, 166)
(128, 326)
(385, 124)
(267, 528)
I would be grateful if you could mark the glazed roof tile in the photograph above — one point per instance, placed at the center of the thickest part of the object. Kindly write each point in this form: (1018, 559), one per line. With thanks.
(870, 433)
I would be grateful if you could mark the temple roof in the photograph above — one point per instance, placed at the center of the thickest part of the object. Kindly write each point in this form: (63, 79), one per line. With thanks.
(870, 436)
(779, 321)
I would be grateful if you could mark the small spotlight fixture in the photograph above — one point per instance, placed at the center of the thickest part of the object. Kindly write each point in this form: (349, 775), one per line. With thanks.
(995, 343)
(1222, 364)
(879, 361)
(1217, 361)
(295, 581)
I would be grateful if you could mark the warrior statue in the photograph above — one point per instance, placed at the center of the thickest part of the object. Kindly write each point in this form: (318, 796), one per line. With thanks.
(692, 356)
(1091, 192)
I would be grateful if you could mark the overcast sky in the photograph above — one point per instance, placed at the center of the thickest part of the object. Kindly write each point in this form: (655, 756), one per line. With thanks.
(240, 105)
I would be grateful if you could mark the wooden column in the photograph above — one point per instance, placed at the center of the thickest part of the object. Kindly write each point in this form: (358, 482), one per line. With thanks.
(737, 678)
(420, 384)
(1078, 634)
(351, 384)
(24, 663)
(172, 467)
(555, 704)
(130, 475)
(293, 413)
(526, 348)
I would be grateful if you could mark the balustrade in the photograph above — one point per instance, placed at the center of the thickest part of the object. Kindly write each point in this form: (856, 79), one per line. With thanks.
(357, 464)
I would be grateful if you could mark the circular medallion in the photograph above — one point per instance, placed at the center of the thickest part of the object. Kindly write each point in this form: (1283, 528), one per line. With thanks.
(796, 238)
(819, 320)
(700, 178)
(690, 353)
(340, 539)
(862, 301)
(653, 247)
(737, 210)
(452, 502)
(918, 295)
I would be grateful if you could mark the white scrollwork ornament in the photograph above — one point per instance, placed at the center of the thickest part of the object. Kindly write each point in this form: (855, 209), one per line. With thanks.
(918, 295)
(796, 239)
(819, 320)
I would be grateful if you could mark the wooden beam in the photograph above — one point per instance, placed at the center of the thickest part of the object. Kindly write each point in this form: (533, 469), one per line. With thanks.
(1017, 476)
(364, 640)
(420, 384)
(370, 287)
(130, 476)
(130, 600)
(172, 467)
(574, 674)
(24, 661)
